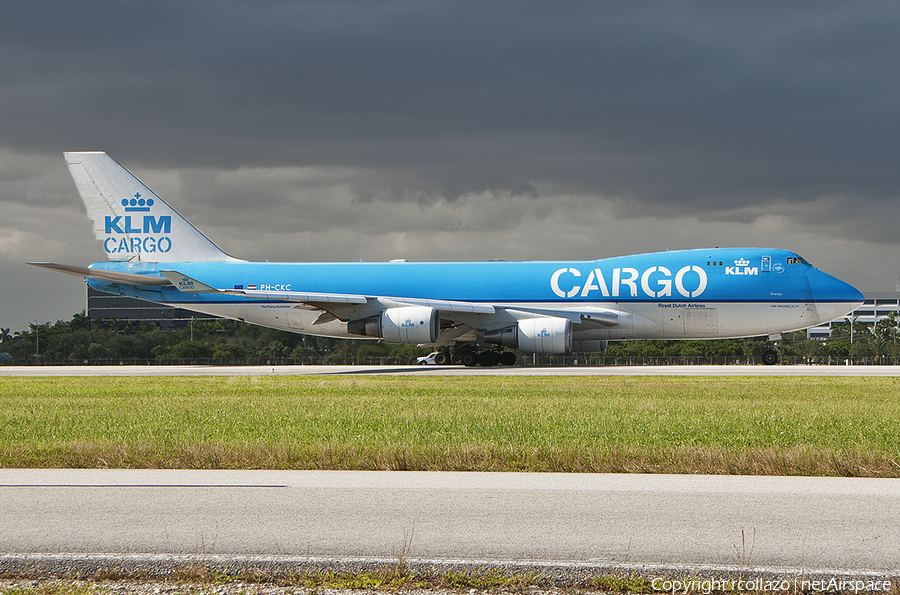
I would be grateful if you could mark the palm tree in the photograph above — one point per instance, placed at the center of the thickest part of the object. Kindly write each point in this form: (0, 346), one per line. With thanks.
(4, 335)
(79, 321)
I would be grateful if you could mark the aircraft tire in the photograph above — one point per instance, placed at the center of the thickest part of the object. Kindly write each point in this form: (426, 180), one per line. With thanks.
(469, 359)
(456, 359)
(441, 359)
(488, 358)
(770, 357)
(507, 358)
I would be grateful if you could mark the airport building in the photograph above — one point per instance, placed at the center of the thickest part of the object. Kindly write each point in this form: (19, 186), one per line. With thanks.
(876, 306)
(106, 306)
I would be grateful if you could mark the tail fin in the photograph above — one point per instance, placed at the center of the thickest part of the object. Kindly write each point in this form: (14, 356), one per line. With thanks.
(132, 222)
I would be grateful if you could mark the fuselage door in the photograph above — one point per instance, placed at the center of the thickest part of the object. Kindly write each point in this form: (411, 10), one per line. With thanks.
(766, 266)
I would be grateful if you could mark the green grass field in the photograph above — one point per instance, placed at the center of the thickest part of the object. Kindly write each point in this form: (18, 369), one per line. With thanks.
(781, 426)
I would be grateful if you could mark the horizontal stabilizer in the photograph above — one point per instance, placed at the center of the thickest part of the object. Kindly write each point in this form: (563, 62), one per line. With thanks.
(187, 285)
(104, 275)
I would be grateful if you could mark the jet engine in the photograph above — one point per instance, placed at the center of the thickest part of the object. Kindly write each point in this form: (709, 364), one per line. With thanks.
(535, 335)
(408, 324)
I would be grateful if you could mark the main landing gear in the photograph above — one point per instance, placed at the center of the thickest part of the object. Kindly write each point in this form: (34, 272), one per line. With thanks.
(469, 357)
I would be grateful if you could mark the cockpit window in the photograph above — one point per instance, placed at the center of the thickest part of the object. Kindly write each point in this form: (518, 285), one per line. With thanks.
(797, 260)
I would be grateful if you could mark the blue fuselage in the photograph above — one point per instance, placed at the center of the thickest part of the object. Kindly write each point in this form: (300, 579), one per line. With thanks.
(746, 291)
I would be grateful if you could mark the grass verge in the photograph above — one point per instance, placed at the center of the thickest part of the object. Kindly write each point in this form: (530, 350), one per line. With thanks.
(449, 584)
(772, 426)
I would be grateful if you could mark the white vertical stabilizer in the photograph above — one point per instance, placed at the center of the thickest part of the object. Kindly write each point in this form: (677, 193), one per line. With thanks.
(131, 222)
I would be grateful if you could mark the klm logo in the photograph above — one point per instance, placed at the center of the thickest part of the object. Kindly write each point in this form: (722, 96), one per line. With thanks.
(742, 267)
(408, 323)
(544, 333)
(149, 224)
(137, 233)
(137, 203)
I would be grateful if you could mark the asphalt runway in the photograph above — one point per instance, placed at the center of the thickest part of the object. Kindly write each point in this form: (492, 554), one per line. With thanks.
(883, 371)
(643, 523)
(775, 524)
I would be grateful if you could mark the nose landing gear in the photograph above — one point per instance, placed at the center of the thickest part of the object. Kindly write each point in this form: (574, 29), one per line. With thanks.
(770, 356)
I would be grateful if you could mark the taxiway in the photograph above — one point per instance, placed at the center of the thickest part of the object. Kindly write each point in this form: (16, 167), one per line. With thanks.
(889, 371)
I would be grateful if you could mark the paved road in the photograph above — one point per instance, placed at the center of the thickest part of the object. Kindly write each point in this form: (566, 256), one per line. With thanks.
(890, 371)
(607, 520)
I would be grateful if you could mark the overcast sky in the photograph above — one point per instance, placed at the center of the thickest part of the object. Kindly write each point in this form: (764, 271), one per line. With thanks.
(334, 130)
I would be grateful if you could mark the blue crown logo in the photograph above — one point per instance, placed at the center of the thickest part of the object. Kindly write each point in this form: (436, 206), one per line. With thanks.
(137, 204)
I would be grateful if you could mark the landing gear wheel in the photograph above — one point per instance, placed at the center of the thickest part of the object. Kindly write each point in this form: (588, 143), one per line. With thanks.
(456, 359)
(488, 358)
(468, 359)
(507, 358)
(441, 359)
(770, 357)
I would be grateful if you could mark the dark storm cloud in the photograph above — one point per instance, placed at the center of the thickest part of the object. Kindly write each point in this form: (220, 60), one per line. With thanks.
(659, 103)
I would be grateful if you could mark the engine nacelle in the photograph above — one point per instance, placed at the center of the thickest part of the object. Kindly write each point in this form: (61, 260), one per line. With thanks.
(408, 325)
(535, 335)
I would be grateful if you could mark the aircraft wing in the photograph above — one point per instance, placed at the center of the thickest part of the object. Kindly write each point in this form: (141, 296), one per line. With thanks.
(189, 285)
(442, 305)
(602, 317)
(331, 303)
(318, 300)
(104, 275)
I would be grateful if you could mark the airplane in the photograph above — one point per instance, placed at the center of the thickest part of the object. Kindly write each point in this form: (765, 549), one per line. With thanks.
(480, 310)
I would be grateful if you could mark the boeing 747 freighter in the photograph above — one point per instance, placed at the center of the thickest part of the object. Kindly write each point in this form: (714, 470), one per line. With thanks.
(479, 309)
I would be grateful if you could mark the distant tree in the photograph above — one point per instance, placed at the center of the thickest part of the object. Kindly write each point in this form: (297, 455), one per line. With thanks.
(343, 355)
(228, 351)
(885, 335)
(97, 351)
(407, 354)
(79, 321)
(838, 349)
(302, 352)
(189, 350)
(863, 349)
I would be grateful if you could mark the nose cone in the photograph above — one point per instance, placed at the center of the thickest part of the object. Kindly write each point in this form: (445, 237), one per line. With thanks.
(833, 298)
